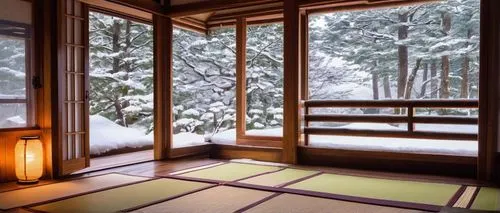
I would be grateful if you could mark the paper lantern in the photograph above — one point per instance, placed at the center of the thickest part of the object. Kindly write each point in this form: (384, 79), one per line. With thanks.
(29, 159)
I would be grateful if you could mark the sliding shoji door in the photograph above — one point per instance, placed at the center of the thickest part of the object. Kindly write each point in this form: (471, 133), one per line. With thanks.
(73, 87)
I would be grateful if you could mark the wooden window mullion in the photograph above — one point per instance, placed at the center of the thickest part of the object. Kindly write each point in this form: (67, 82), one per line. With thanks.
(241, 39)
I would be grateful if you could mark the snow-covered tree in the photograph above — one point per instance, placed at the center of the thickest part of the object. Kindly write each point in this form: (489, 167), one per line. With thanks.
(121, 70)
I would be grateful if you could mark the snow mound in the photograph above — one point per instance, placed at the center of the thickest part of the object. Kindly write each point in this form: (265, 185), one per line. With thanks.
(12, 122)
(105, 135)
(186, 139)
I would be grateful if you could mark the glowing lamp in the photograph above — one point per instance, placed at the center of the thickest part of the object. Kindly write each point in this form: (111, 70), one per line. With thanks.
(29, 159)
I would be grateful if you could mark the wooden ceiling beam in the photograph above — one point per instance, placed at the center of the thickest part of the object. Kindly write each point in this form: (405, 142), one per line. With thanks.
(328, 6)
(211, 6)
(189, 24)
(145, 5)
(247, 13)
(315, 3)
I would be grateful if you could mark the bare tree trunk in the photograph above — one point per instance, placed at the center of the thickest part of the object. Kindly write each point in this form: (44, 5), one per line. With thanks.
(375, 80)
(119, 114)
(445, 80)
(402, 55)
(387, 88)
(434, 85)
(445, 60)
(424, 80)
(116, 45)
(128, 44)
(464, 87)
(411, 79)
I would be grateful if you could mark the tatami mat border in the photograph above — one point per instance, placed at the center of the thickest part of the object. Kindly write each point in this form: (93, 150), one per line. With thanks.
(245, 208)
(389, 203)
(456, 196)
(474, 196)
(197, 168)
(168, 198)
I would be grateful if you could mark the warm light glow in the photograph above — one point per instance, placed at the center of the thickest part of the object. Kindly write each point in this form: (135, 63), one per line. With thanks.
(29, 159)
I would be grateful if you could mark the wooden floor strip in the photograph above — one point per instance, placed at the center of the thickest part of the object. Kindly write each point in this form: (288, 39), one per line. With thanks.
(466, 197)
(457, 196)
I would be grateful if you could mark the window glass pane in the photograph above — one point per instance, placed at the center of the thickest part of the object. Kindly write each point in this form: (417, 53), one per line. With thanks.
(12, 68)
(428, 51)
(264, 80)
(425, 51)
(15, 39)
(121, 84)
(13, 115)
(204, 84)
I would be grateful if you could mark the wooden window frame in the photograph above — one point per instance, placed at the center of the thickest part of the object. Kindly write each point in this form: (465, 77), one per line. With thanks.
(30, 72)
(241, 98)
(485, 162)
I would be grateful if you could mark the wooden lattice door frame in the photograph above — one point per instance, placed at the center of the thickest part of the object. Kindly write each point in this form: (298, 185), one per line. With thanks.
(72, 141)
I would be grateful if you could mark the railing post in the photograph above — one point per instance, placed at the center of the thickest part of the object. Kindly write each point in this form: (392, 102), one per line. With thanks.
(410, 112)
(306, 124)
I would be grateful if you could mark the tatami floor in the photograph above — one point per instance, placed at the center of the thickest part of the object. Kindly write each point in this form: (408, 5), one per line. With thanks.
(209, 185)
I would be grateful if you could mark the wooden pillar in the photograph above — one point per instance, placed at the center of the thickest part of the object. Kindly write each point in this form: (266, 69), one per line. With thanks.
(44, 28)
(241, 40)
(162, 86)
(304, 55)
(304, 72)
(489, 90)
(291, 81)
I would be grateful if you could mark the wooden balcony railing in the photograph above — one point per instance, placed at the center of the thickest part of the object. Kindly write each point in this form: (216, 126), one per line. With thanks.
(409, 118)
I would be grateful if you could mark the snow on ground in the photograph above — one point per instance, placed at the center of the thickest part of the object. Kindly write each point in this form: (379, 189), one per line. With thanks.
(405, 145)
(226, 137)
(105, 135)
(12, 122)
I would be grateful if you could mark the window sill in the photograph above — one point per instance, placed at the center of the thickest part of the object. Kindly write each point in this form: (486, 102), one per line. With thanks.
(19, 129)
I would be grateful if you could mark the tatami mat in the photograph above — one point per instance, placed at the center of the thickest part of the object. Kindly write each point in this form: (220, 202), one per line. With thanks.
(217, 199)
(230, 171)
(384, 189)
(303, 204)
(279, 178)
(487, 199)
(121, 198)
(249, 187)
(22, 197)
